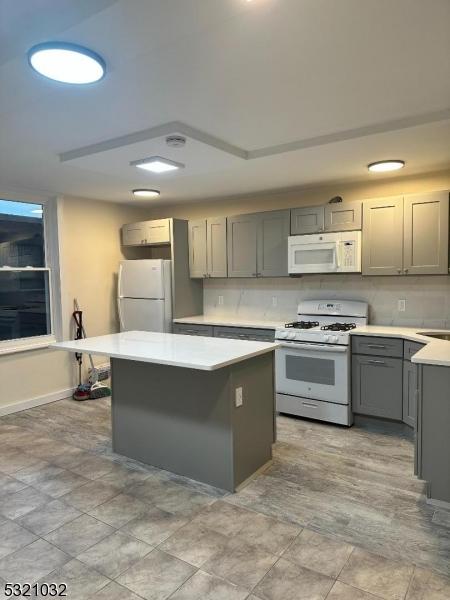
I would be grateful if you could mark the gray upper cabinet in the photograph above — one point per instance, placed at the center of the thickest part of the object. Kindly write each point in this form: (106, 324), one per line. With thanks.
(426, 234)
(242, 232)
(208, 248)
(146, 233)
(216, 247)
(273, 232)
(197, 248)
(133, 234)
(343, 216)
(382, 235)
(257, 244)
(308, 219)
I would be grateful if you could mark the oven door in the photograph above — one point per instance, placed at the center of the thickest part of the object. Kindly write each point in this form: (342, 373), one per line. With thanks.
(306, 255)
(316, 371)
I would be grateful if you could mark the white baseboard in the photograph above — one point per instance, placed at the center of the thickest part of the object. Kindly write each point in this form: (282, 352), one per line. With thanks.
(8, 409)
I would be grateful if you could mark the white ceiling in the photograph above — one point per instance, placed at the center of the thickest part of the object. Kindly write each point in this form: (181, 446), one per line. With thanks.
(344, 83)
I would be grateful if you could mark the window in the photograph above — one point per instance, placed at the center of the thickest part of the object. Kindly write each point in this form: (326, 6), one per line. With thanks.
(26, 275)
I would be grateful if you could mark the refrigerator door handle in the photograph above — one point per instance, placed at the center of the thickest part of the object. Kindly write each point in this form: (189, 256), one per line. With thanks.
(120, 314)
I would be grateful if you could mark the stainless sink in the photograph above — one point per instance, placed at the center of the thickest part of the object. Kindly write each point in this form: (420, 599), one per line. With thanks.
(438, 336)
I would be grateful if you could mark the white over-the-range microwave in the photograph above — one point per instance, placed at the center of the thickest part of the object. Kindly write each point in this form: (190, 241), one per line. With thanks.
(338, 252)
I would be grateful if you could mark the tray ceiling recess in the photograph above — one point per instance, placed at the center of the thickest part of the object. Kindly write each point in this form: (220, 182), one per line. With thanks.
(205, 153)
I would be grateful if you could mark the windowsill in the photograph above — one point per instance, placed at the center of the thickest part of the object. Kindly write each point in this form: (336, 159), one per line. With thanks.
(15, 346)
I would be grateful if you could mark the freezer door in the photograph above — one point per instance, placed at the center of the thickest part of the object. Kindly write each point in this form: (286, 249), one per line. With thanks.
(141, 279)
(141, 315)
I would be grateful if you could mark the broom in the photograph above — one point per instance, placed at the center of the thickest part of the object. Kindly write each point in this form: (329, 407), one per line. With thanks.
(94, 389)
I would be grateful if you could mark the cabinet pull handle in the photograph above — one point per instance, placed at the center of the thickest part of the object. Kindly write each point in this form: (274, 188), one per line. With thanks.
(399, 271)
(255, 274)
(309, 404)
(375, 346)
(377, 362)
(406, 271)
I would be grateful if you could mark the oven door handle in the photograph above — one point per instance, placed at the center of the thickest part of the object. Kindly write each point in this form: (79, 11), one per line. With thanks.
(314, 347)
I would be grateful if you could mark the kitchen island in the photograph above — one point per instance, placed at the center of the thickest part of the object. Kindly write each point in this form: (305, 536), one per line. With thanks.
(197, 406)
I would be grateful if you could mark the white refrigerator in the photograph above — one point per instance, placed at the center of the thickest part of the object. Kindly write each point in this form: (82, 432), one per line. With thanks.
(145, 295)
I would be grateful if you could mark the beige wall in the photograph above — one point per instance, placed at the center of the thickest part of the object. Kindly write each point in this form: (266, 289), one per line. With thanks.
(89, 257)
(371, 188)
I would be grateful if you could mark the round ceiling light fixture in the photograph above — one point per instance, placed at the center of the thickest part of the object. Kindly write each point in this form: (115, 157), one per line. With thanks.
(144, 193)
(67, 63)
(382, 166)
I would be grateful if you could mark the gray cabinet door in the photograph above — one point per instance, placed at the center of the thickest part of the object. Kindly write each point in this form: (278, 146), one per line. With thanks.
(343, 216)
(157, 231)
(241, 245)
(377, 386)
(382, 236)
(133, 234)
(216, 247)
(197, 248)
(426, 234)
(309, 219)
(409, 393)
(273, 232)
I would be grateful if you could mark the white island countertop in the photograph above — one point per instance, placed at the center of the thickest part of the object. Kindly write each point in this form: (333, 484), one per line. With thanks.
(435, 351)
(191, 352)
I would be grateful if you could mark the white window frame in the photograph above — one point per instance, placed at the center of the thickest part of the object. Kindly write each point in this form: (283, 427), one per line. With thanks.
(51, 247)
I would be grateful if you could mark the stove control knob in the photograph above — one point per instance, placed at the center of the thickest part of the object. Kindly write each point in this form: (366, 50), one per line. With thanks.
(291, 335)
(282, 335)
(334, 339)
(326, 338)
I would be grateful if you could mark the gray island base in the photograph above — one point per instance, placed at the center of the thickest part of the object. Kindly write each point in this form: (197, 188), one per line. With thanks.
(201, 407)
(186, 420)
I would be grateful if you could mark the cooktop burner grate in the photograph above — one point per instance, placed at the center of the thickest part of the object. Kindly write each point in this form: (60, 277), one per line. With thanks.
(303, 324)
(339, 327)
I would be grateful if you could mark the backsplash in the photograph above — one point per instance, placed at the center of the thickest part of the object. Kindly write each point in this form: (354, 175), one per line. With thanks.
(427, 297)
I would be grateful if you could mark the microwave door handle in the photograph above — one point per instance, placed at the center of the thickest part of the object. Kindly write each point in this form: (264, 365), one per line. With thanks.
(338, 256)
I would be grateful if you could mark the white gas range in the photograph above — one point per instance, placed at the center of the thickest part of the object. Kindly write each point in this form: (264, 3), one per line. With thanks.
(313, 361)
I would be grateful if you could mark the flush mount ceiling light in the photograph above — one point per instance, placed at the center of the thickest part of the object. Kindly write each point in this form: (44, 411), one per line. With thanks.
(157, 164)
(142, 193)
(67, 63)
(382, 166)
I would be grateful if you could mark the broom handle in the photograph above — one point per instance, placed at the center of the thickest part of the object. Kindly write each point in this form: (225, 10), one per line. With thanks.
(77, 307)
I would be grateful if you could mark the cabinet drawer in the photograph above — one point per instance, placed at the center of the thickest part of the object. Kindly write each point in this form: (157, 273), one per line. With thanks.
(194, 329)
(377, 346)
(245, 333)
(410, 349)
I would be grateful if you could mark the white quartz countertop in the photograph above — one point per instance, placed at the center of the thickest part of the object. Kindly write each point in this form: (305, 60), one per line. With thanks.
(191, 352)
(227, 321)
(435, 352)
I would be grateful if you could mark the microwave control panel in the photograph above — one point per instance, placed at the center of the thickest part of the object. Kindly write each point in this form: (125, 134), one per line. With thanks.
(348, 254)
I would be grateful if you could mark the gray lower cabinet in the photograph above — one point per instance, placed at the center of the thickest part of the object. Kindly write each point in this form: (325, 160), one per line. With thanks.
(409, 393)
(433, 433)
(257, 244)
(194, 329)
(377, 386)
(208, 247)
(235, 333)
(245, 333)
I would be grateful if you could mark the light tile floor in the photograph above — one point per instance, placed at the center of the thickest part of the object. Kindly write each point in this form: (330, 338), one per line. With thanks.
(339, 516)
